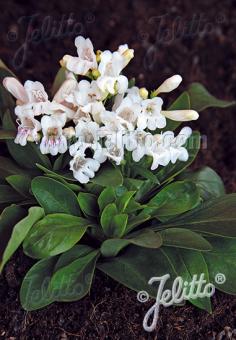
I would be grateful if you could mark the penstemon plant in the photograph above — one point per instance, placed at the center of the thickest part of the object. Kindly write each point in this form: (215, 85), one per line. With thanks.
(97, 177)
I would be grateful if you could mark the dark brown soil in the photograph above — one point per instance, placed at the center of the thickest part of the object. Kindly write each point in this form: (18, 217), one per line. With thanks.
(193, 38)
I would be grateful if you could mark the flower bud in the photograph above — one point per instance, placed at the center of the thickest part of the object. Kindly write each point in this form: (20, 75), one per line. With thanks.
(63, 62)
(143, 93)
(69, 132)
(169, 84)
(181, 115)
(95, 73)
(128, 55)
(98, 56)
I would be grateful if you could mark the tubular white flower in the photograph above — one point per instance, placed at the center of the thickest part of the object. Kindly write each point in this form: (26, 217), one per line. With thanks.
(139, 142)
(86, 59)
(134, 94)
(128, 112)
(168, 148)
(83, 168)
(53, 141)
(151, 116)
(28, 128)
(169, 84)
(30, 97)
(181, 115)
(88, 136)
(95, 109)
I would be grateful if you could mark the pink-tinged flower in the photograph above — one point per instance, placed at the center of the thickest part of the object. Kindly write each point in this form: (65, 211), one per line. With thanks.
(86, 59)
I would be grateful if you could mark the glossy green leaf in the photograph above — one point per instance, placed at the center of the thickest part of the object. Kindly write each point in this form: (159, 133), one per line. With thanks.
(8, 167)
(136, 266)
(34, 292)
(200, 98)
(174, 199)
(8, 219)
(208, 181)
(184, 238)
(119, 223)
(216, 217)
(9, 195)
(7, 134)
(54, 196)
(73, 281)
(21, 183)
(54, 234)
(28, 156)
(186, 264)
(108, 176)
(88, 204)
(19, 233)
(107, 218)
(222, 260)
(123, 201)
(107, 196)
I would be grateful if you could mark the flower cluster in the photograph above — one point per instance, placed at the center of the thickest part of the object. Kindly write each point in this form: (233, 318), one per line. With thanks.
(100, 117)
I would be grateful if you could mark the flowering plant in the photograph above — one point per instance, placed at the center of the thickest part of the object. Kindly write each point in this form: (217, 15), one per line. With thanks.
(96, 178)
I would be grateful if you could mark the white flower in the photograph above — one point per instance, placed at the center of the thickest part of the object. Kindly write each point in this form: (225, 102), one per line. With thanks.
(113, 85)
(28, 128)
(134, 94)
(95, 109)
(53, 141)
(112, 123)
(86, 59)
(128, 112)
(151, 116)
(30, 97)
(60, 104)
(168, 148)
(110, 67)
(139, 142)
(88, 136)
(83, 168)
(112, 151)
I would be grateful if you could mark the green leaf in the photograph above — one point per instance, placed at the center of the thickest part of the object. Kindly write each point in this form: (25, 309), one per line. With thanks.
(88, 204)
(19, 233)
(8, 219)
(119, 224)
(184, 238)
(145, 238)
(137, 220)
(9, 195)
(21, 183)
(186, 264)
(216, 217)
(107, 218)
(107, 196)
(208, 181)
(136, 266)
(181, 103)
(28, 156)
(222, 260)
(200, 98)
(123, 201)
(7, 168)
(55, 175)
(108, 176)
(54, 196)
(174, 199)
(59, 79)
(34, 292)
(54, 234)
(7, 134)
(73, 281)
